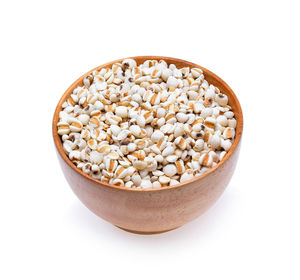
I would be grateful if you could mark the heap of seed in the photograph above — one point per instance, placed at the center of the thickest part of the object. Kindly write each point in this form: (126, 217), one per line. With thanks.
(146, 126)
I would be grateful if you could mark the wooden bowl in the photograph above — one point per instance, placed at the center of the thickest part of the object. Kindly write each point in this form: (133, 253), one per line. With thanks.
(148, 211)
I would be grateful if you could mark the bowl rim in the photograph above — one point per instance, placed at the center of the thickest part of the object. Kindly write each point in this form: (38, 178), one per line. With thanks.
(67, 93)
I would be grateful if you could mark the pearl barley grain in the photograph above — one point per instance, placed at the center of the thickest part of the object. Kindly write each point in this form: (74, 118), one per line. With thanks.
(146, 126)
(157, 135)
(170, 170)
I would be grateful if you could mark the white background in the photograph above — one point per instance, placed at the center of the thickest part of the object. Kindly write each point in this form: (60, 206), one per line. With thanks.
(252, 232)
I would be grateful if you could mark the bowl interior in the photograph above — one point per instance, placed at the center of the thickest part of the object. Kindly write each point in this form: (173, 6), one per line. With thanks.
(209, 76)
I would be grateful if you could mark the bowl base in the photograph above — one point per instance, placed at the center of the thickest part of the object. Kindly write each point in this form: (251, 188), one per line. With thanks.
(146, 232)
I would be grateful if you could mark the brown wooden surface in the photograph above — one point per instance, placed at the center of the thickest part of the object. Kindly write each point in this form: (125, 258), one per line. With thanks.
(152, 210)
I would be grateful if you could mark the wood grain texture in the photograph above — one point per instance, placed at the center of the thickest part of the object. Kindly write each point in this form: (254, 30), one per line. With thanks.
(152, 210)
